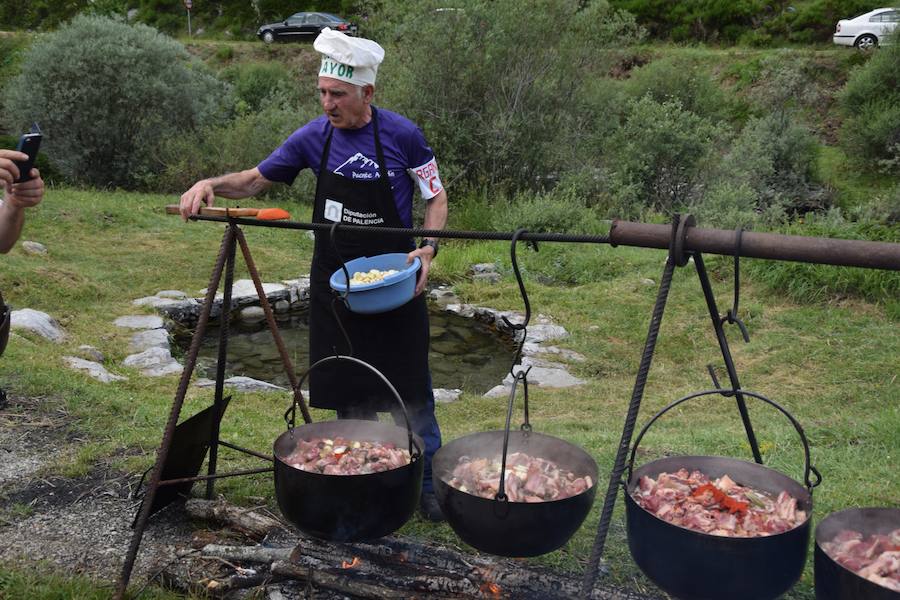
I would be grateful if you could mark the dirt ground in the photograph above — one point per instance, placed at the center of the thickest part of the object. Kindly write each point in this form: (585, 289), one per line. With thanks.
(83, 525)
(76, 526)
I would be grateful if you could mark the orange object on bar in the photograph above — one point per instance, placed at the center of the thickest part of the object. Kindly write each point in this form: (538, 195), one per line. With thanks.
(264, 214)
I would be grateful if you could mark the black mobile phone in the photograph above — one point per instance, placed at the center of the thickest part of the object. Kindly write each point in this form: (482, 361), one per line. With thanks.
(29, 144)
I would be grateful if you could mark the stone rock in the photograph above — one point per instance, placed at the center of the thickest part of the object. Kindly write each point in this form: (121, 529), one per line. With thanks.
(175, 294)
(95, 370)
(282, 306)
(153, 362)
(182, 311)
(155, 301)
(253, 314)
(547, 377)
(243, 288)
(444, 396)
(243, 384)
(90, 353)
(484, 268)
(140, 322)
(648, 282)
(536, 361)
(443, 296)
(498, 390)
(491, 278)
(34, 248)
(531, 348)
(37, 322)
(150, 338)
(546, 331)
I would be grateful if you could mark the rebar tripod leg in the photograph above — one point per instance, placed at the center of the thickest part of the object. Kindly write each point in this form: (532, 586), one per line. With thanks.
(612, 491)
(162, 453)
(220, 364)
(726, 354)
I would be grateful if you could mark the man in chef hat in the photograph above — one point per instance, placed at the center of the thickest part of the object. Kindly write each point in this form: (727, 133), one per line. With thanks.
(368, 163)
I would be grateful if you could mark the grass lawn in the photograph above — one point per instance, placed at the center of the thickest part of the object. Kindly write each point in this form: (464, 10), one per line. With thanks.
(832, 364)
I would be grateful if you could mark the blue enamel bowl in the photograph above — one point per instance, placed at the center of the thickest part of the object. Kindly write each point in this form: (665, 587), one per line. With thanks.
(379, 296)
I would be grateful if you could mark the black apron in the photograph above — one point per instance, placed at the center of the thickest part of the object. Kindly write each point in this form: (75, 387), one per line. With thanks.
(395, 342)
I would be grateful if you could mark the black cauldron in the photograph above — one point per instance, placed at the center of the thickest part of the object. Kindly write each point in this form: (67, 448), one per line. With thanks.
(693, 565)
(835, 581)
(349, 508)
(516, 529)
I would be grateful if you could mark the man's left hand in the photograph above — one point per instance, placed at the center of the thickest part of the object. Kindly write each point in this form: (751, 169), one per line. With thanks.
(425, 255)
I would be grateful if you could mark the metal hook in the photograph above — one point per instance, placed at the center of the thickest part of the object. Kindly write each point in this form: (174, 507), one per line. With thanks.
(731, 316)
(519, 326)
(334, 311)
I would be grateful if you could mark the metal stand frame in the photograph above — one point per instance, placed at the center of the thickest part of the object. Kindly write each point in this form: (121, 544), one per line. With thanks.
(678, 256)
(877, 255)
(225, 261)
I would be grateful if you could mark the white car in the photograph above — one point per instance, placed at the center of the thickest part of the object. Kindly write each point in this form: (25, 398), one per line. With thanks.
(868, 30)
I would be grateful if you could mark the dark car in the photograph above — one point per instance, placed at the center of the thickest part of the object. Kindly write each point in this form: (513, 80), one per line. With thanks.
(304, 26)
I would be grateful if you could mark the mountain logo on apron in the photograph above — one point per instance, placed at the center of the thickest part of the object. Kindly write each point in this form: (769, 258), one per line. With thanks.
(359, 167)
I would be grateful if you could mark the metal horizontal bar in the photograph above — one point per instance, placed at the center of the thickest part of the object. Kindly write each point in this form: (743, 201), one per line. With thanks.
(246, 451)
(774, 246)
(216, 476)
(829, 251)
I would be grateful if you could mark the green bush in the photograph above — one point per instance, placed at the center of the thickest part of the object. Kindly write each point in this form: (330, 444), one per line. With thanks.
(11, 50)
(560, 210)
(676, 78)
(658, 155)
(254, 83)
(870, 103)
(106, 94)
(699, 20)
(43, 14)
(490, 99)
(232, 146)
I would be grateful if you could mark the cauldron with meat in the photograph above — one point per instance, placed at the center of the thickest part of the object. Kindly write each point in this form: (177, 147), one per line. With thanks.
(514, 493)
(706, 557)
(344, 495)
(857, 555)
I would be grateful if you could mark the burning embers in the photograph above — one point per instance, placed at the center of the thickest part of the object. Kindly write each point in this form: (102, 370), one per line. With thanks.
(875, 557)
(528, 479)
(720, 507)
(341, 456)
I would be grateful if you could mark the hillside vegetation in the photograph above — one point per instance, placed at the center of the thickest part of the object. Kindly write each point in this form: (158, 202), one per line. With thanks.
(553, 115)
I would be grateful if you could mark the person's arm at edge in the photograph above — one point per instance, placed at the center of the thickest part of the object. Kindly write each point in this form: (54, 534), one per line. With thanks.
(435, 219)
(16, 198)
(11, 219)
(242, 184)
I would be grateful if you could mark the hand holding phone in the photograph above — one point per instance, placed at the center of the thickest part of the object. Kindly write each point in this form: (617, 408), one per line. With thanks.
(28, 144)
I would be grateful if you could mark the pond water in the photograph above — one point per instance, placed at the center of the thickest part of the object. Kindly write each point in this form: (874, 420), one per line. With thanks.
(465, 353)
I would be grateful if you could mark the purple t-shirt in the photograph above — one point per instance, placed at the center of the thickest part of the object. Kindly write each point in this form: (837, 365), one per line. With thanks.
(352, 154)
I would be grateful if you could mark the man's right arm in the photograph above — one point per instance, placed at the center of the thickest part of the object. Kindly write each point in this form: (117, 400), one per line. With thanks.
(233, 185)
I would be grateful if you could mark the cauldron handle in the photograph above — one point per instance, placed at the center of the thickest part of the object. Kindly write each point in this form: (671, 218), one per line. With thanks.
(522, 376)
(413, 455)
(808, 468)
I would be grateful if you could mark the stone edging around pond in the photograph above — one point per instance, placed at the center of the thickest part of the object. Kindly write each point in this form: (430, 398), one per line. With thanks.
(152, 355)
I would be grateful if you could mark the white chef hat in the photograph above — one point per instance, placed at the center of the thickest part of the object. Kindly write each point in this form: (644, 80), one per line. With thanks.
(351, 59)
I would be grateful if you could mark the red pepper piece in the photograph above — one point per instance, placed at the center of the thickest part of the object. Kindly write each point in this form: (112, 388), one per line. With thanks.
(721, 498)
